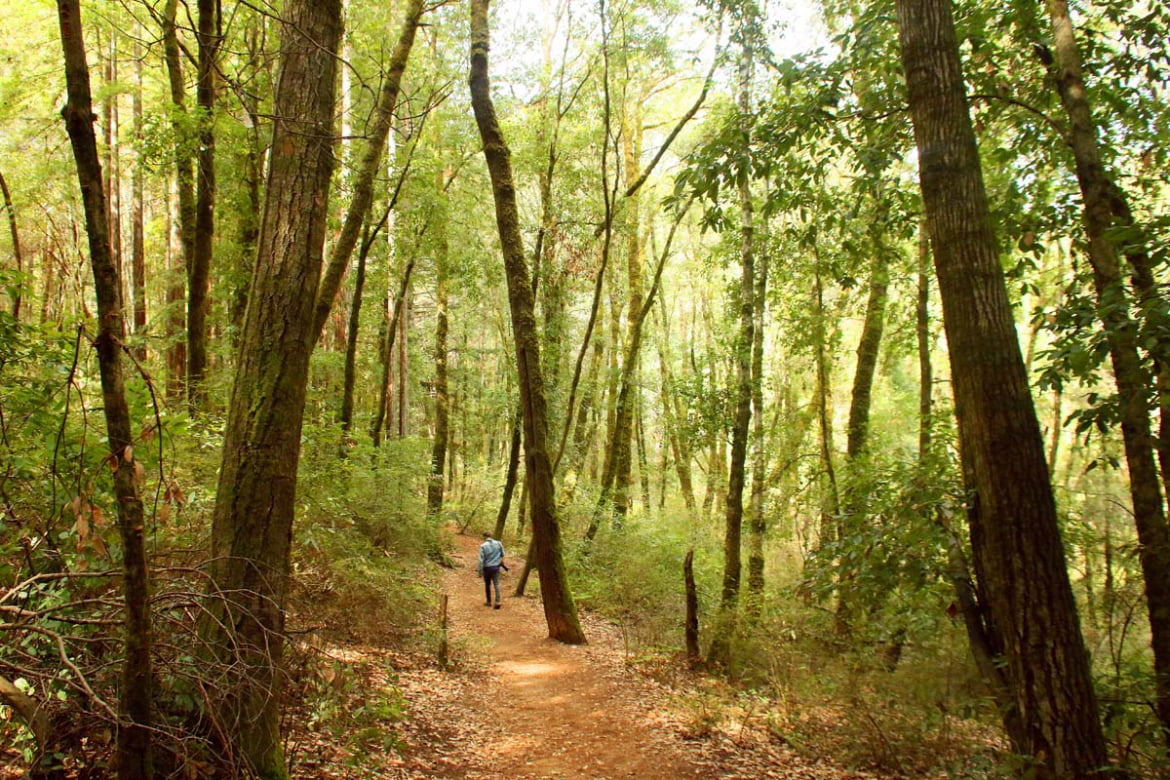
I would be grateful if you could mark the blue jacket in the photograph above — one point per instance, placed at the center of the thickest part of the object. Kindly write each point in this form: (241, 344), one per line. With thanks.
(491, 554)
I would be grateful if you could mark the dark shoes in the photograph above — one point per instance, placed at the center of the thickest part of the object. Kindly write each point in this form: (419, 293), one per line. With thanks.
(497, 606)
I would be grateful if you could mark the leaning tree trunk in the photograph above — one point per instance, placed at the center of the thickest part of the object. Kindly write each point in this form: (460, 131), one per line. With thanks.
(388, 354)
(624, 410)
(559, 610)
(510, 475)
(1099, 193)
(1015, 538)
(351, 335)
(10, 210)
(252, 524)
(857, 429)
(363, 187)
(135, 752)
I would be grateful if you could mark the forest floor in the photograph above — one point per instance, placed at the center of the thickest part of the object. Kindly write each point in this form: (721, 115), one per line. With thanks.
(516, 704)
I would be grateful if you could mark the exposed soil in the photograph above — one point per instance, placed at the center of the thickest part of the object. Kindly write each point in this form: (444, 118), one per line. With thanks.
(520, 705)
(543, 709)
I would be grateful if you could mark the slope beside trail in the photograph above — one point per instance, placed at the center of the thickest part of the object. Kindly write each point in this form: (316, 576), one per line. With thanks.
(533, 708)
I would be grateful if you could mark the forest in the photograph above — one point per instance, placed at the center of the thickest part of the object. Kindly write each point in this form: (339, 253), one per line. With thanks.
(818, 351)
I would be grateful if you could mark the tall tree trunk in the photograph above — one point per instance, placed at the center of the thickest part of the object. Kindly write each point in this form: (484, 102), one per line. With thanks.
(510, 475)
(1133, 379)
(209, 39)
(135, 751)
(402, 397)
(138, 217)
(643, 459)
(1015, 539)
(584, 426)
(388, 354)
(623, 433)
(758, 520)
(249, 222)
(351, 336)
(606, 231)
(720, 651)
(255, 500)
(868, 348)
(442, 399)
(185, 195)
(559, 610)
(922, 336)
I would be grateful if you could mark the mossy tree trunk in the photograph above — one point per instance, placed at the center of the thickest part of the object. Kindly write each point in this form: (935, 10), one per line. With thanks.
(135, 751)
(243, 622)
(559, 610)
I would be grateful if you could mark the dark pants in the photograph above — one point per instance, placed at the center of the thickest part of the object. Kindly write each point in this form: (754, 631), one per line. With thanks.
(491, 576)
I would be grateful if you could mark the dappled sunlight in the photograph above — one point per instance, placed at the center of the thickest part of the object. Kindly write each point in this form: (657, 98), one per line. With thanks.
(532, 669)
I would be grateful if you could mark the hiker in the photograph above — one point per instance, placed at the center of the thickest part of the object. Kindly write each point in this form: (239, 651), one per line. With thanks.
(491, 560)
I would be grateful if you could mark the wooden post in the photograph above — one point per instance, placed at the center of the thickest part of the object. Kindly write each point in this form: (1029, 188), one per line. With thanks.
(443, 631)
(694, 655)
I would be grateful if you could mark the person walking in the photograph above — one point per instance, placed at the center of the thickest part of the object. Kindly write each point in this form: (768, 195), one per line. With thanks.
(491, 560)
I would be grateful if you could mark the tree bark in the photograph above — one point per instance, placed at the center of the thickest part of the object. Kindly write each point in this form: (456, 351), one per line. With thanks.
(559, 610)
(209, 39)
(691, 630)
(243, 623)
(1018, 556)
(135, 744)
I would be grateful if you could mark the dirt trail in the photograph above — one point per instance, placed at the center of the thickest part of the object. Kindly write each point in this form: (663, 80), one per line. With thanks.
(533, 708)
